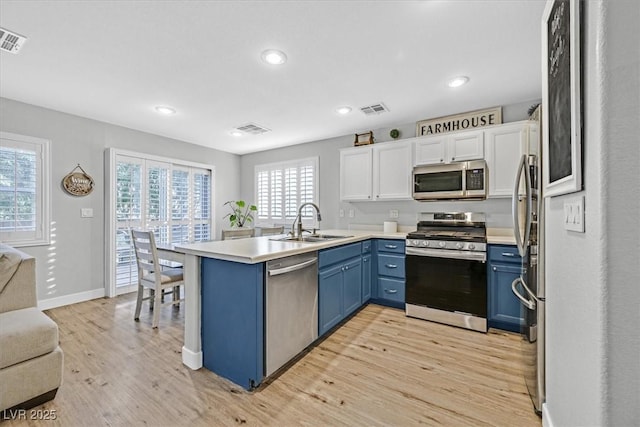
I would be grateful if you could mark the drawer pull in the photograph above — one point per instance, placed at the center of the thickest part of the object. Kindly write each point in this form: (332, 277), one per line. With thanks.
(391, 291)
(508, 254)
(495, 268)
(391, 266)
(391, 246)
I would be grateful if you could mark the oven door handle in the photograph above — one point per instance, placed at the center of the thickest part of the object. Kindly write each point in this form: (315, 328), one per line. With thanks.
(451, 254)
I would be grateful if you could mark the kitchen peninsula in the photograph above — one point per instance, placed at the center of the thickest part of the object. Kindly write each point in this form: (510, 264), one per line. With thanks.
(234, 270)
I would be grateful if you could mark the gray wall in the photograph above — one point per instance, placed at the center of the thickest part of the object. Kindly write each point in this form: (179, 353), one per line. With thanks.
(498, 210)
(593, 297)
(74, 262)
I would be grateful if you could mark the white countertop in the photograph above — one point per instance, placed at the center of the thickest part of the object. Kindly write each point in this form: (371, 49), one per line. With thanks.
(500, 236)
(260, 249)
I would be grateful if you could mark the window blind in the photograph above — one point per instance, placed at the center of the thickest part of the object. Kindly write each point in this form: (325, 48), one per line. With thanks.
(282, 187)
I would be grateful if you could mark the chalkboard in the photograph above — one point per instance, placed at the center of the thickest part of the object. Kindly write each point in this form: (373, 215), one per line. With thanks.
(561, 98)
(559, 87)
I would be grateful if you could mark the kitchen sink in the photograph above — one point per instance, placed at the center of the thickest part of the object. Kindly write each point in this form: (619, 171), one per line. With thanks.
(311, 238)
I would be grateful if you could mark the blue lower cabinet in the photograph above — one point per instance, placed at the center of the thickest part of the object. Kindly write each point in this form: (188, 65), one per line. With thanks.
(352, 282)
(391, 289)
(367, 267)
(330, 310)
(504, 308)
(233, 295)
(389, 270)
(339, 293)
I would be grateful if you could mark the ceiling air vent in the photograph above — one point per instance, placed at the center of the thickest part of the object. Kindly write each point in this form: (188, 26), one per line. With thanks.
(10, 41)
(253, 129)
(378, 108)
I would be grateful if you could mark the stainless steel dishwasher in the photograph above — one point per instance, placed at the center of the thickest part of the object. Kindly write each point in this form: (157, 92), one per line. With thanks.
(291, 307)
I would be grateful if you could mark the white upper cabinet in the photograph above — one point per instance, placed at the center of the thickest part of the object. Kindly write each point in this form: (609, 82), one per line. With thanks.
(376, 172)
(505, 145)
(392, 169)
(465, 146)
(456, 147)
(430, 150)
(356, 173)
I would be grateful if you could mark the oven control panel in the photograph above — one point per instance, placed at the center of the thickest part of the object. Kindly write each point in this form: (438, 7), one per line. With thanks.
(447, 244)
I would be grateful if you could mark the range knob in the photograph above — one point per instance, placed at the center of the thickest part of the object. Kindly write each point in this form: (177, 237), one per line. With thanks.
(426, 243)
(472, 246)
(442, 244)
(459, 245)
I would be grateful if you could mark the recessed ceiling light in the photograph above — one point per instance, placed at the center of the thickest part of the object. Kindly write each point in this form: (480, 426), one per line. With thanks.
(235, 133)
(343, 110)
(458, 81)
(167, 111)
(274, 57)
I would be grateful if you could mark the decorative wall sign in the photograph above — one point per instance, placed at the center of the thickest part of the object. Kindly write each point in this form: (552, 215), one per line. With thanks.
(78, 183)
(364, 138)
(561, 97)
(458, 122)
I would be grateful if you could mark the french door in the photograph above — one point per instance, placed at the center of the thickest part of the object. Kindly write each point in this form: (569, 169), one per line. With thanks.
(170, 199)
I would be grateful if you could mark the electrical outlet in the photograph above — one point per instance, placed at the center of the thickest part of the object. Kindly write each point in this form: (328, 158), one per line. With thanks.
(341, 213)
(574, 214)
(351, 213)
(86, 213)
(393, 213)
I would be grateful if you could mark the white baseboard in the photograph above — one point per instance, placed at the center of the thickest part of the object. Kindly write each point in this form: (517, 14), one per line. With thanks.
(49, 303)
(192, 359)
(546, 418)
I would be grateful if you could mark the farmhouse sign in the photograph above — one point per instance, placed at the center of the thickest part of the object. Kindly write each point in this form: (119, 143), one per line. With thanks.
(78, 183)
(470, 120)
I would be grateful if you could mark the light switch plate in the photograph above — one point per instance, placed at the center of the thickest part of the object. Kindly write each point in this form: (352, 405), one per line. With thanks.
(351, 213)
(574, 214)
(86, 212)
(341, 213)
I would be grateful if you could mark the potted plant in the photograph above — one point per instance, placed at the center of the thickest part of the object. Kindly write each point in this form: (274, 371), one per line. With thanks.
(241, 213)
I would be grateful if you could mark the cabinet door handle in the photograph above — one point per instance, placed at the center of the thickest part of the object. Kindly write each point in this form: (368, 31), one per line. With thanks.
(365, 260)
(391, 291)
(346, 267)
(495, 268)
(508, 254)
(391, 246)
(391, 266)
(441, 160)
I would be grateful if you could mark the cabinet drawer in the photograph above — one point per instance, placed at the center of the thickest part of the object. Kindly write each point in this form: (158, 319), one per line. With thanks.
(391, 265)
(391, 289)
(341, 253)
(388, 245)
(366, 246)
(504, 253)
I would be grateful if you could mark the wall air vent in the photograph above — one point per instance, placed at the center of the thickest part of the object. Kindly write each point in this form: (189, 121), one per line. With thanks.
(10, 41)
(253, 129)
(378, 108)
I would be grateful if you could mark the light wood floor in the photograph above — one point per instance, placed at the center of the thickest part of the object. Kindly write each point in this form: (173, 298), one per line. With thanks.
(380, 368)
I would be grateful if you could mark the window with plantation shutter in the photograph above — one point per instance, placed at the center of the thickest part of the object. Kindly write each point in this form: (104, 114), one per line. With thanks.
(282, 187)
(169, 199)
(24, 190)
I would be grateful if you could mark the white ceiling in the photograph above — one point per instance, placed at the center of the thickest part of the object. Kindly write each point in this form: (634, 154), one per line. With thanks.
(114, 61)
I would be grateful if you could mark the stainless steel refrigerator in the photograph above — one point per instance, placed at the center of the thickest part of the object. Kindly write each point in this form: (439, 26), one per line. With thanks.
(528, 219)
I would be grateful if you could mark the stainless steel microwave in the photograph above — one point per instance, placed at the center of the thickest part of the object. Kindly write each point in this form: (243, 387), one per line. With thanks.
(459, 180)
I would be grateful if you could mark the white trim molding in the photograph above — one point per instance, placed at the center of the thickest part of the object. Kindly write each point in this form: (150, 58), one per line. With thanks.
(50, 303)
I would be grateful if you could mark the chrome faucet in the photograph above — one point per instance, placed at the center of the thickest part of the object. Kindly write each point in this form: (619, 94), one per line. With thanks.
(298, 218)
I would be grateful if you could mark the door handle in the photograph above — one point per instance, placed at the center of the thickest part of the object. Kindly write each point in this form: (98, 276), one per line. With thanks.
(530, 304)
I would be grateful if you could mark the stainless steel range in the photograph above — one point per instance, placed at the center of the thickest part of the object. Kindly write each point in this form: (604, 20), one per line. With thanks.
(446, 276)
